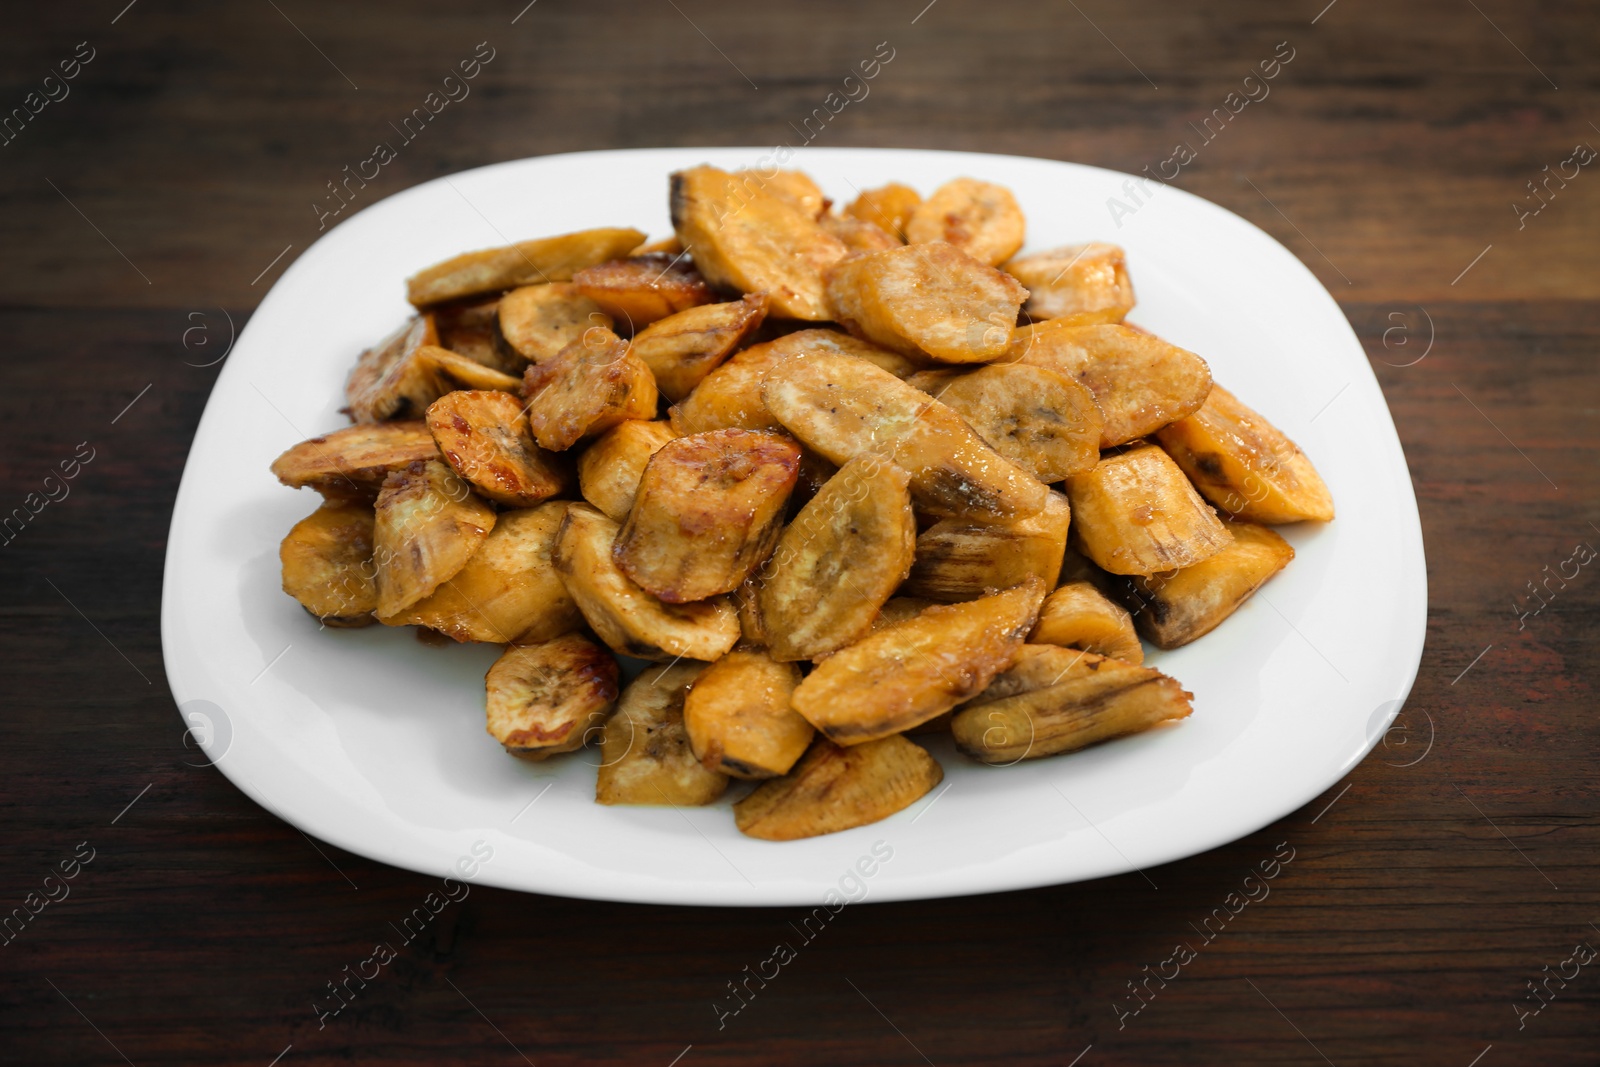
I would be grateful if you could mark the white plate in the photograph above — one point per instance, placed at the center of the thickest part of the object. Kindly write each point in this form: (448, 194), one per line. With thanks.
(375, 743)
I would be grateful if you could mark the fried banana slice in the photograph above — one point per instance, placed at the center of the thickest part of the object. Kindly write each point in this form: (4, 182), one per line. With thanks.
(353, 462)
(709, 509)
(1044, 423)
(538, 321)
(1140, 382)
(428, 526)
(1244, 465)
(1088, 281)
(793, 186)
(470, 328)
(609, 470)
(929, 300)
(509, 591)
(907, 674)
(980, 218)
(548, 698)
(327, 564)
(844, 407)
(547, 259)
(888, 206)
(1060, 700)
(833, 789)
(682, 349)
(959, 560)
(388, 381)
(626, 617)
(858, 234)
(744, 236)
(645, 756)
(1136, 513)
(838, 562)
(739, 720)
(1179, 606)
(452, 370)
(1078, 615)
(642, 289)
(587, 388)
(484, 437)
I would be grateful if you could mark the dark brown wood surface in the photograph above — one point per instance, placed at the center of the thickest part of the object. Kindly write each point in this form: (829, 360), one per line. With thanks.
(1426, 891)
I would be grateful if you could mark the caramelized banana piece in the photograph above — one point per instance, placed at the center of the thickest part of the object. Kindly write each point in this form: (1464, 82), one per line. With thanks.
(838, 562)
(428, 525)
(626, 617)
(353, 462)
(1244, 465)
(609, 470)
(682, 349)
(1046, 424)
(709, 509)
(1179, 606)
(547, 259)
(895, 610)
(642, 289)
(538, 321)
(1140, 382)
(907, 674)
(327, 564)
(744, 236)
(1078, 615)
(589, 387)
(928, 300)
(793, 186)
(959, 560)
(1060, 700)
(844, 407)
(550, 697)
(1136, 513)
(858, 234)
(889, 206)
(452, 370)
(980, 218)
(484, 437)
(833, 789)
(1089, 281)
(509, 591)
(389, 381)
(739, 720)
(645, 756)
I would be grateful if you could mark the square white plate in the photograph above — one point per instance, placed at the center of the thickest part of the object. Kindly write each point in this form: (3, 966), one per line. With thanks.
(371, 741)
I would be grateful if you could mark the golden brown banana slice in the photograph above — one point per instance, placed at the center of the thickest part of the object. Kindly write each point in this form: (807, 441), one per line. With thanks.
(547, 259)
(642, 289)
(833, 789)
(1140, 382)
(538, 321)
(327, 564)
(1176, 607)
(353, 462)
(1245, 465)
(645, 756)
(1078, 615)
(980, 218)
(959, 560)
(1060, 700)
(609, 470)
(844, 407)
(550, 697)
(508, 591)
(929, 300)
(794, 186)
(709, 509)
(888, 206)
(428, 525)
(470, 328)
(682, 349)
(587, 388)
(388, 381)
(626, 617)
(907, 674)
(483, 435)
(739, 720)
(859, 235)
(1044, 423)
(454, 371)
(895, 610)
(1088, 281)
(838, 562)
(1136, 513)
(744, 236)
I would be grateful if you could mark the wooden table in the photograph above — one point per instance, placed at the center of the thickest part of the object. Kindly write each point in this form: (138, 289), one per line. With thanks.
(164, 193)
